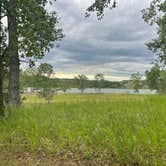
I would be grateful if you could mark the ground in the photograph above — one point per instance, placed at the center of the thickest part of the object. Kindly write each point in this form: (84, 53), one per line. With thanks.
(85, 130)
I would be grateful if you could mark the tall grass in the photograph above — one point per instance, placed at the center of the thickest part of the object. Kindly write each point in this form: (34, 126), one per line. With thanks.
(126, 129)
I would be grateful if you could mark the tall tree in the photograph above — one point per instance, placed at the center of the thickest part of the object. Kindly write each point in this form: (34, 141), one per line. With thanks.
(2, 56)
(1, 75)
(1, 69)
(14, 96)
(31, 31)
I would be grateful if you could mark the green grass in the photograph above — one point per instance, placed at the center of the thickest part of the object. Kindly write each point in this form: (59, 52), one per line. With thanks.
(125, 129)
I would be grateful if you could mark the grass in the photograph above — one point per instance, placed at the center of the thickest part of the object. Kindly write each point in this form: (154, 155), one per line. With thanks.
(116, 129)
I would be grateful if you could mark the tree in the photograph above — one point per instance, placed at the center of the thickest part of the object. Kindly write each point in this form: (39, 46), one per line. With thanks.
(162, 82)
(152, 77)
(45, 69)
(47, 94)
(136, 81)
(156, 79)
(156, 14)
(43, 78)
(31, 32)
(100, 79)
(31, 78)
(3, 60)
(81, 80)
(1, 71)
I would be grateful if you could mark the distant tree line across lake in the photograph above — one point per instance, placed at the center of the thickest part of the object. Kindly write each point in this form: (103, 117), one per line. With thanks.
(39, 78)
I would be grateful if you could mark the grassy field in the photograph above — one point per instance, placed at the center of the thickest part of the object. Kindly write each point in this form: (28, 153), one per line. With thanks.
(101, 129)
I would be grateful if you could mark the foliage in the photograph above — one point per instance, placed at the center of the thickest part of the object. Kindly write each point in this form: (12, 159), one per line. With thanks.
(156, 78)
(136, 81)
(99, 6)
(31, 78)
(31, 32)
(81, 81)
(124, 129)
(36, 27)
(156, 14)
(47, 93)
(152, 77)
(45, 69)
(162, 82)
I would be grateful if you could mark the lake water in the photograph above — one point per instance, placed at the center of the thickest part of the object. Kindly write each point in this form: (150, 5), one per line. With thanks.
(112, 91)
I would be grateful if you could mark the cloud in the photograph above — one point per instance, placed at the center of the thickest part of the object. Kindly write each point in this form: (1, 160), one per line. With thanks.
(114, 46)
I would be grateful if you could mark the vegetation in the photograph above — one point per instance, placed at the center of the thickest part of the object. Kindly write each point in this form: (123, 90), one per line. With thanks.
(32, 78)
(104, 129)
(47, 93)
(31, 31)
(81, 81)
(99, 6)
(156, 14)
(125, 129)
(99, 80)
(136, 81)
(45, 69)
(156, 79)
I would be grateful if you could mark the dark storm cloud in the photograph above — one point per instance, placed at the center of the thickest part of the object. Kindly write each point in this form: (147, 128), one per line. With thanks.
(114, 46)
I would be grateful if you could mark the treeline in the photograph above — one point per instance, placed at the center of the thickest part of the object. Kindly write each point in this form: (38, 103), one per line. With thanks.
(40, 78)
(43, 81)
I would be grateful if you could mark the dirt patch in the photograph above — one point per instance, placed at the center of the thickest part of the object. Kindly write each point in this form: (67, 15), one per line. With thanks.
(32, 159)
(27, 159)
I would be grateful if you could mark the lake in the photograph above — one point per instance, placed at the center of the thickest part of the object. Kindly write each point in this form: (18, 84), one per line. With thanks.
(112, 91)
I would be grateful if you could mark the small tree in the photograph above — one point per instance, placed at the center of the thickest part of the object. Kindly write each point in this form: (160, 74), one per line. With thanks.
(44, 72)
(136, 81)
(100, 79)
(81, 81)
(47, 94)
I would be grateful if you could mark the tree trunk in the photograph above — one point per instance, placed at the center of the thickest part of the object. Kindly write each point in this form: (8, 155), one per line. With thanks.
(1, 68)
(1, 88)
(14, 83)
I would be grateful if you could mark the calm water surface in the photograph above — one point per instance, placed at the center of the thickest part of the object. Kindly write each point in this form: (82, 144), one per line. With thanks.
(111, 91)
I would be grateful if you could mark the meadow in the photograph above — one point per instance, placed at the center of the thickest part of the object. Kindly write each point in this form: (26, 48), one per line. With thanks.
(97, 129)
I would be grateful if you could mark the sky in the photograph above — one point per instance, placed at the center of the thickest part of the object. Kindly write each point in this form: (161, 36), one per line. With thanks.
(114, 46)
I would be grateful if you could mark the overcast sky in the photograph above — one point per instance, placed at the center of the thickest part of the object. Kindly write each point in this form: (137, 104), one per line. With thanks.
(114, 46)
